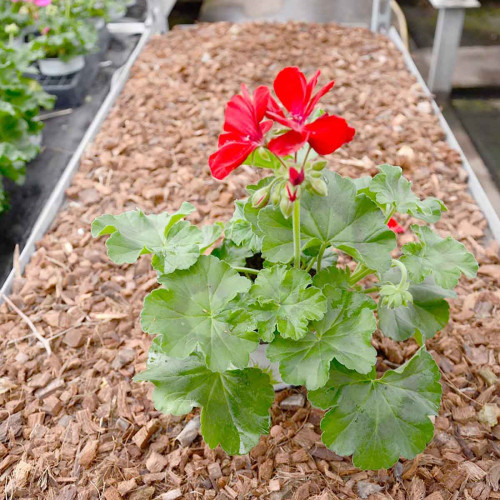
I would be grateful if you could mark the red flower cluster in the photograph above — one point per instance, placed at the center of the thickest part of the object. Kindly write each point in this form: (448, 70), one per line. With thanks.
(245, 127)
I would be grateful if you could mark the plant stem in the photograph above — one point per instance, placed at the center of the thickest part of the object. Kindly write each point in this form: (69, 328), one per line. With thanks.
(296, 232)
(246, 270)
(371, 290)
(320, 257)
(360, 273)
(392, 211)
(305, 158)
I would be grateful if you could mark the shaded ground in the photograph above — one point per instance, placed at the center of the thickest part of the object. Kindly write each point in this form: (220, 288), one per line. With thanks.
(75, 425)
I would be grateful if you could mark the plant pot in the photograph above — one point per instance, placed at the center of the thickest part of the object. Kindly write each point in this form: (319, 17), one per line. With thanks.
(53, 66)
(260, 359)
(97, 22)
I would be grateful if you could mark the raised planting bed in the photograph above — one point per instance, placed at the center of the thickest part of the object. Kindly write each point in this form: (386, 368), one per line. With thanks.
(75, 423)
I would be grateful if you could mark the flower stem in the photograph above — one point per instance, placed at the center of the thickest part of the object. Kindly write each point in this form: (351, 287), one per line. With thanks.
(320, 257)
(392, 211)
(246, 270)
(360, 273)
(296, 232)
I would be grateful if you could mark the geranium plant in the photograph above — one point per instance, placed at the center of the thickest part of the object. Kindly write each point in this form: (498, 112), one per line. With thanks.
(20, 101)
(331, 273)
(62, 36)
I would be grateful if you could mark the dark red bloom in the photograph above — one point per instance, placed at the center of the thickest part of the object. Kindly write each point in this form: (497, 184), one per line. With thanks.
(325, 134)
(393, 224)
(291, 196)
(244, 131)
(296, 178)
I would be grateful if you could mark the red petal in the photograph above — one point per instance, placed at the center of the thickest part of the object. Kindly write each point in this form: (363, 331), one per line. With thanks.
(295, 177)
(328, 133)
(311, 85)
(261, 98)
(287, 143)
(291, 88)
(318, 96)
(229, 157)
(393, 224)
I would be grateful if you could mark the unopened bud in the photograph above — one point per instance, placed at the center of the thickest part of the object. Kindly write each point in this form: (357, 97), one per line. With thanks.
(261, 197)
(276, 196)
(319, 165)
(318, 186)
(12, 29)
(286, 206)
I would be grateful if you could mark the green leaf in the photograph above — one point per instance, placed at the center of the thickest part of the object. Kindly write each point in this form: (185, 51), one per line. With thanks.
(343, 334)
(232, 254)
(286, 302)
(425, 316)
(353, 224)
(445, 258)
(391, 188)
(235, 404)
(196, 310)
(379, 420)
(176, 244)
(240, 230)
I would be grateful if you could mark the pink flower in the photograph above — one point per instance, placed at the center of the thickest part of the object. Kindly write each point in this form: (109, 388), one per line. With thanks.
(42, 3)
(45, 30)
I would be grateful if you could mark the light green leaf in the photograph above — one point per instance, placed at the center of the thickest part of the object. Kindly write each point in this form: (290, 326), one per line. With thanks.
(287, 302)
(426, 315)
(391, 188)
(379, 420)
(235, 404)
(445, 258)
(196, 310)
(210, 234)
(176, 244)
(232, 254)
(344, 334)
(353, 224)
(240, 229)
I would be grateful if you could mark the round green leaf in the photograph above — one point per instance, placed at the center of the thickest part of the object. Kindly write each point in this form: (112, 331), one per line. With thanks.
(379, 420)
(200, 308)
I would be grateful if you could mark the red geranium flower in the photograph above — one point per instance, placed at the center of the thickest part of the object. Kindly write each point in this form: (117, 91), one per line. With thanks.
(325, 135)
(394, 225)
(244, 131)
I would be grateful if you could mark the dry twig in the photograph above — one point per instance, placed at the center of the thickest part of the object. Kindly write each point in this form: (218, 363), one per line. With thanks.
(32, 327)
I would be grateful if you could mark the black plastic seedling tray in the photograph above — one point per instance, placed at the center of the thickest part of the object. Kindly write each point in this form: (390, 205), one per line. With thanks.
(70, 90)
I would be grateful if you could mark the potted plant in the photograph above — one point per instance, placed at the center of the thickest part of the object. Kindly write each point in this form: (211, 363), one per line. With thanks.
(64, 41)
(20, 101)
(330, 273)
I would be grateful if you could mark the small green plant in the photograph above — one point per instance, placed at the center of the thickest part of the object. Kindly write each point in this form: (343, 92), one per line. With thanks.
(20, 101)
(64, 37)
(315, 316)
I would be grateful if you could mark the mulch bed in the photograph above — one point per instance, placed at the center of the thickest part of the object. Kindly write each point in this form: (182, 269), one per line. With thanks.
(74, 425)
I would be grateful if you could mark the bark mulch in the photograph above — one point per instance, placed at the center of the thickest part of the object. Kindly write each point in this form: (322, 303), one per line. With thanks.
(74, 425)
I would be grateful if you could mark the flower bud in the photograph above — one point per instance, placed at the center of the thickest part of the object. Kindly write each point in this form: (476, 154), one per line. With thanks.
(12, 29)
(318, 186)
(394, 296)
(286, 206)
(319, 165)
(261, 197)
(276, 195)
